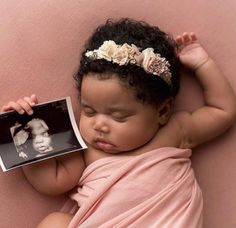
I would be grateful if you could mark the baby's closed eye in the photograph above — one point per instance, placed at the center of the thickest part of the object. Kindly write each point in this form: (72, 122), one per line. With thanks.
(88, 111)
(120, 117)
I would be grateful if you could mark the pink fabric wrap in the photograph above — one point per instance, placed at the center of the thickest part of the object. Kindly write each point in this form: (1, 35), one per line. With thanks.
(154, 189)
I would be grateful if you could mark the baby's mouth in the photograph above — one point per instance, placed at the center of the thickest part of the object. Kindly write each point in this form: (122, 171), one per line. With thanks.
(42, 148)
(103, 144)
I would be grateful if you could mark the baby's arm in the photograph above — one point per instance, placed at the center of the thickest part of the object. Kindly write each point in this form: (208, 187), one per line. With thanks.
(219, 111)
(53, 176)
(57, 175)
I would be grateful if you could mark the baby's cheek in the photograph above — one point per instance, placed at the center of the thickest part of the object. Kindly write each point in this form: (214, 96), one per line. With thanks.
(134, 138)
(48, 140)
(84, 128)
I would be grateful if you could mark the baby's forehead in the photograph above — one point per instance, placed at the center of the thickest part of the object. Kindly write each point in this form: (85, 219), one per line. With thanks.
(37, 126)
(36, 123)
(37, 130)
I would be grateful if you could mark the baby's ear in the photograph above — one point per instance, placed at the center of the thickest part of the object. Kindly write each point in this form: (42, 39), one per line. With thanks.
(165, 110)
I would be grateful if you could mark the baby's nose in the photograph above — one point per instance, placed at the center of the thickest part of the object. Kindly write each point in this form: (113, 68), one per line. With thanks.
(101, 125)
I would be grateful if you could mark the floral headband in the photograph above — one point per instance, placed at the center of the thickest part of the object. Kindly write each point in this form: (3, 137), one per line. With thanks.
(129, 54)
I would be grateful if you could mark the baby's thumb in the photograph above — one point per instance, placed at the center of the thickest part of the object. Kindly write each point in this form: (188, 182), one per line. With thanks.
(34, 99)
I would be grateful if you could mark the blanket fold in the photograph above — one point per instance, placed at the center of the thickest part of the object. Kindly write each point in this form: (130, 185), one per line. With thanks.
(154, 189)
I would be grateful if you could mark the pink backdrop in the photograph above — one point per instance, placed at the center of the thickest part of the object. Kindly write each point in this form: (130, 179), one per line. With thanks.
(40, 44)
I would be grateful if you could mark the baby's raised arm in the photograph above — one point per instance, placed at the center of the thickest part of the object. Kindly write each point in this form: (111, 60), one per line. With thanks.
(219, 111)
(53, 176)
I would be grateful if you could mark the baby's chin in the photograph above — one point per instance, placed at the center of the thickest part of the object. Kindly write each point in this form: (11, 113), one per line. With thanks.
(114, 151)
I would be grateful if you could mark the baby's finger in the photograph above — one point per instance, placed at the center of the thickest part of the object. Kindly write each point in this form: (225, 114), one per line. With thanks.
(25, 106)
(5, 108)
(29, 101)
(13, 106)
(34, 98)
(179, 40)
(186, 37)
(193, 36)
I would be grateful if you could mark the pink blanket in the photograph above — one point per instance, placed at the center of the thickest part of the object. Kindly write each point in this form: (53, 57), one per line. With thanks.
(155, 189)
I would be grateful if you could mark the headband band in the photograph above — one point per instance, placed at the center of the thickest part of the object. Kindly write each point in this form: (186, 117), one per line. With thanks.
(129, 54)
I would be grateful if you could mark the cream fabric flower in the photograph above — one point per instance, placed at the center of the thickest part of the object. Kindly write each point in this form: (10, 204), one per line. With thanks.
(121, 56)
(107, 50)
(148, 58)
(125, 54)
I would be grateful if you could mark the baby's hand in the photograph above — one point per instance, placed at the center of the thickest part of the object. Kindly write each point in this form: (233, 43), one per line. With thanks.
(191, 54)
(23, 155)
(21, 105)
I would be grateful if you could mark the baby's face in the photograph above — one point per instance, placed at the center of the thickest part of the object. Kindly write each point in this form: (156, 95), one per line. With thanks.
(112, 119)
(41, 139)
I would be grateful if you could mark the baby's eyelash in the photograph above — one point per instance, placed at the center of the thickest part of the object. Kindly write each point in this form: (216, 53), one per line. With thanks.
(121, 118)
(88, 111)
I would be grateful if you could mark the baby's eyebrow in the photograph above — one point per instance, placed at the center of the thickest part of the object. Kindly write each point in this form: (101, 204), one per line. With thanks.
(110, 109)
(84, 103)
(119, 109)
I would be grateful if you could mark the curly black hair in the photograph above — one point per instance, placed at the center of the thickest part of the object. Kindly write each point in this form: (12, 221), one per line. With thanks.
(149, 88)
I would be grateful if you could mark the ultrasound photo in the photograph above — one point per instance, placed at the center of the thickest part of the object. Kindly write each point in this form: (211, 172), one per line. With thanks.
(51, 131)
